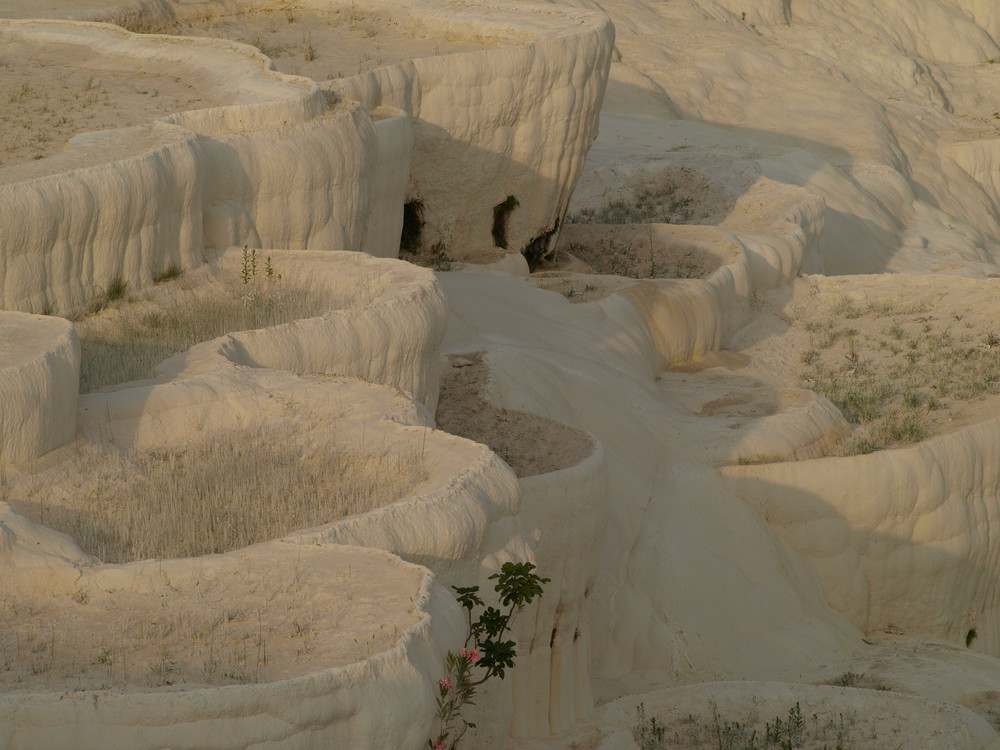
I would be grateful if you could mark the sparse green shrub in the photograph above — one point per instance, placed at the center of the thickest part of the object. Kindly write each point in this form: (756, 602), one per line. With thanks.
(903, 426)
(864, 401)
(847, 679)
(890, 381)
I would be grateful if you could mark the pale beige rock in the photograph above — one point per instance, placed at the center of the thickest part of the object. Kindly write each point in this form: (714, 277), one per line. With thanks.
(39, 380)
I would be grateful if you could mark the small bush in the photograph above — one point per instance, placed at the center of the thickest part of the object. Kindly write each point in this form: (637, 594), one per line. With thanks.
(847, 679)
(116, 288)
(865, 401)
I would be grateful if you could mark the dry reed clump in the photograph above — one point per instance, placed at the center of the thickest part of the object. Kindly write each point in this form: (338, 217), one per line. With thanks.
(125, 342)
(225, 492)
(709, 729)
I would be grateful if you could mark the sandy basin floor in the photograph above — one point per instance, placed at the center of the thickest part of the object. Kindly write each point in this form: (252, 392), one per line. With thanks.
(327, 44)
(51, 92)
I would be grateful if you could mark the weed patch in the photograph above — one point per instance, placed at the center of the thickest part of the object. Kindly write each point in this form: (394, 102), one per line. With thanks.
(625, 255)
(906, 365)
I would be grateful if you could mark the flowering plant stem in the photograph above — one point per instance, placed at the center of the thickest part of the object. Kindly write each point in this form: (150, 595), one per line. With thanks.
(517, 586)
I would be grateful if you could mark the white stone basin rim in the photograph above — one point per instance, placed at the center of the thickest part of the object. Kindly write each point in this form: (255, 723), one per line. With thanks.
(390, 333)
(39, 380)
(870, 525)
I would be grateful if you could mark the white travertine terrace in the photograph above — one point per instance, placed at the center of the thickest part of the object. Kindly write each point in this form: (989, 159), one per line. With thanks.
(126, 204)
(711, 550)
(518, 154)
(278, 168)
(333, 701)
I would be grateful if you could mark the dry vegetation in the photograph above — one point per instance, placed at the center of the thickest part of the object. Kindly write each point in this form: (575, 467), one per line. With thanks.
(229, 623)
(674, 196)
(824, 730)
(125, 340)
(324, 43)
(219, 493)
(624, 254)
(613, 239)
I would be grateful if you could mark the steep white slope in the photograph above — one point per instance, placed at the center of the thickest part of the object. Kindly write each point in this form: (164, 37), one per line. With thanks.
(895, 199)
(670, 525)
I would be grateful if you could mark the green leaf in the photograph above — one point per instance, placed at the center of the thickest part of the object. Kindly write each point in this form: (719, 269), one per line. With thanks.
(497, 656)
(491, 623)
(467, 596)
(517, 585)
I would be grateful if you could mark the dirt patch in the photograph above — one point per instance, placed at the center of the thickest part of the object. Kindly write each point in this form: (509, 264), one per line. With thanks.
(530, 444)
(51, 92)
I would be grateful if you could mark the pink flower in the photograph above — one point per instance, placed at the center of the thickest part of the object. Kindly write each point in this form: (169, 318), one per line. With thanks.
(471, 654)
(445, 683)
(439, 746)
